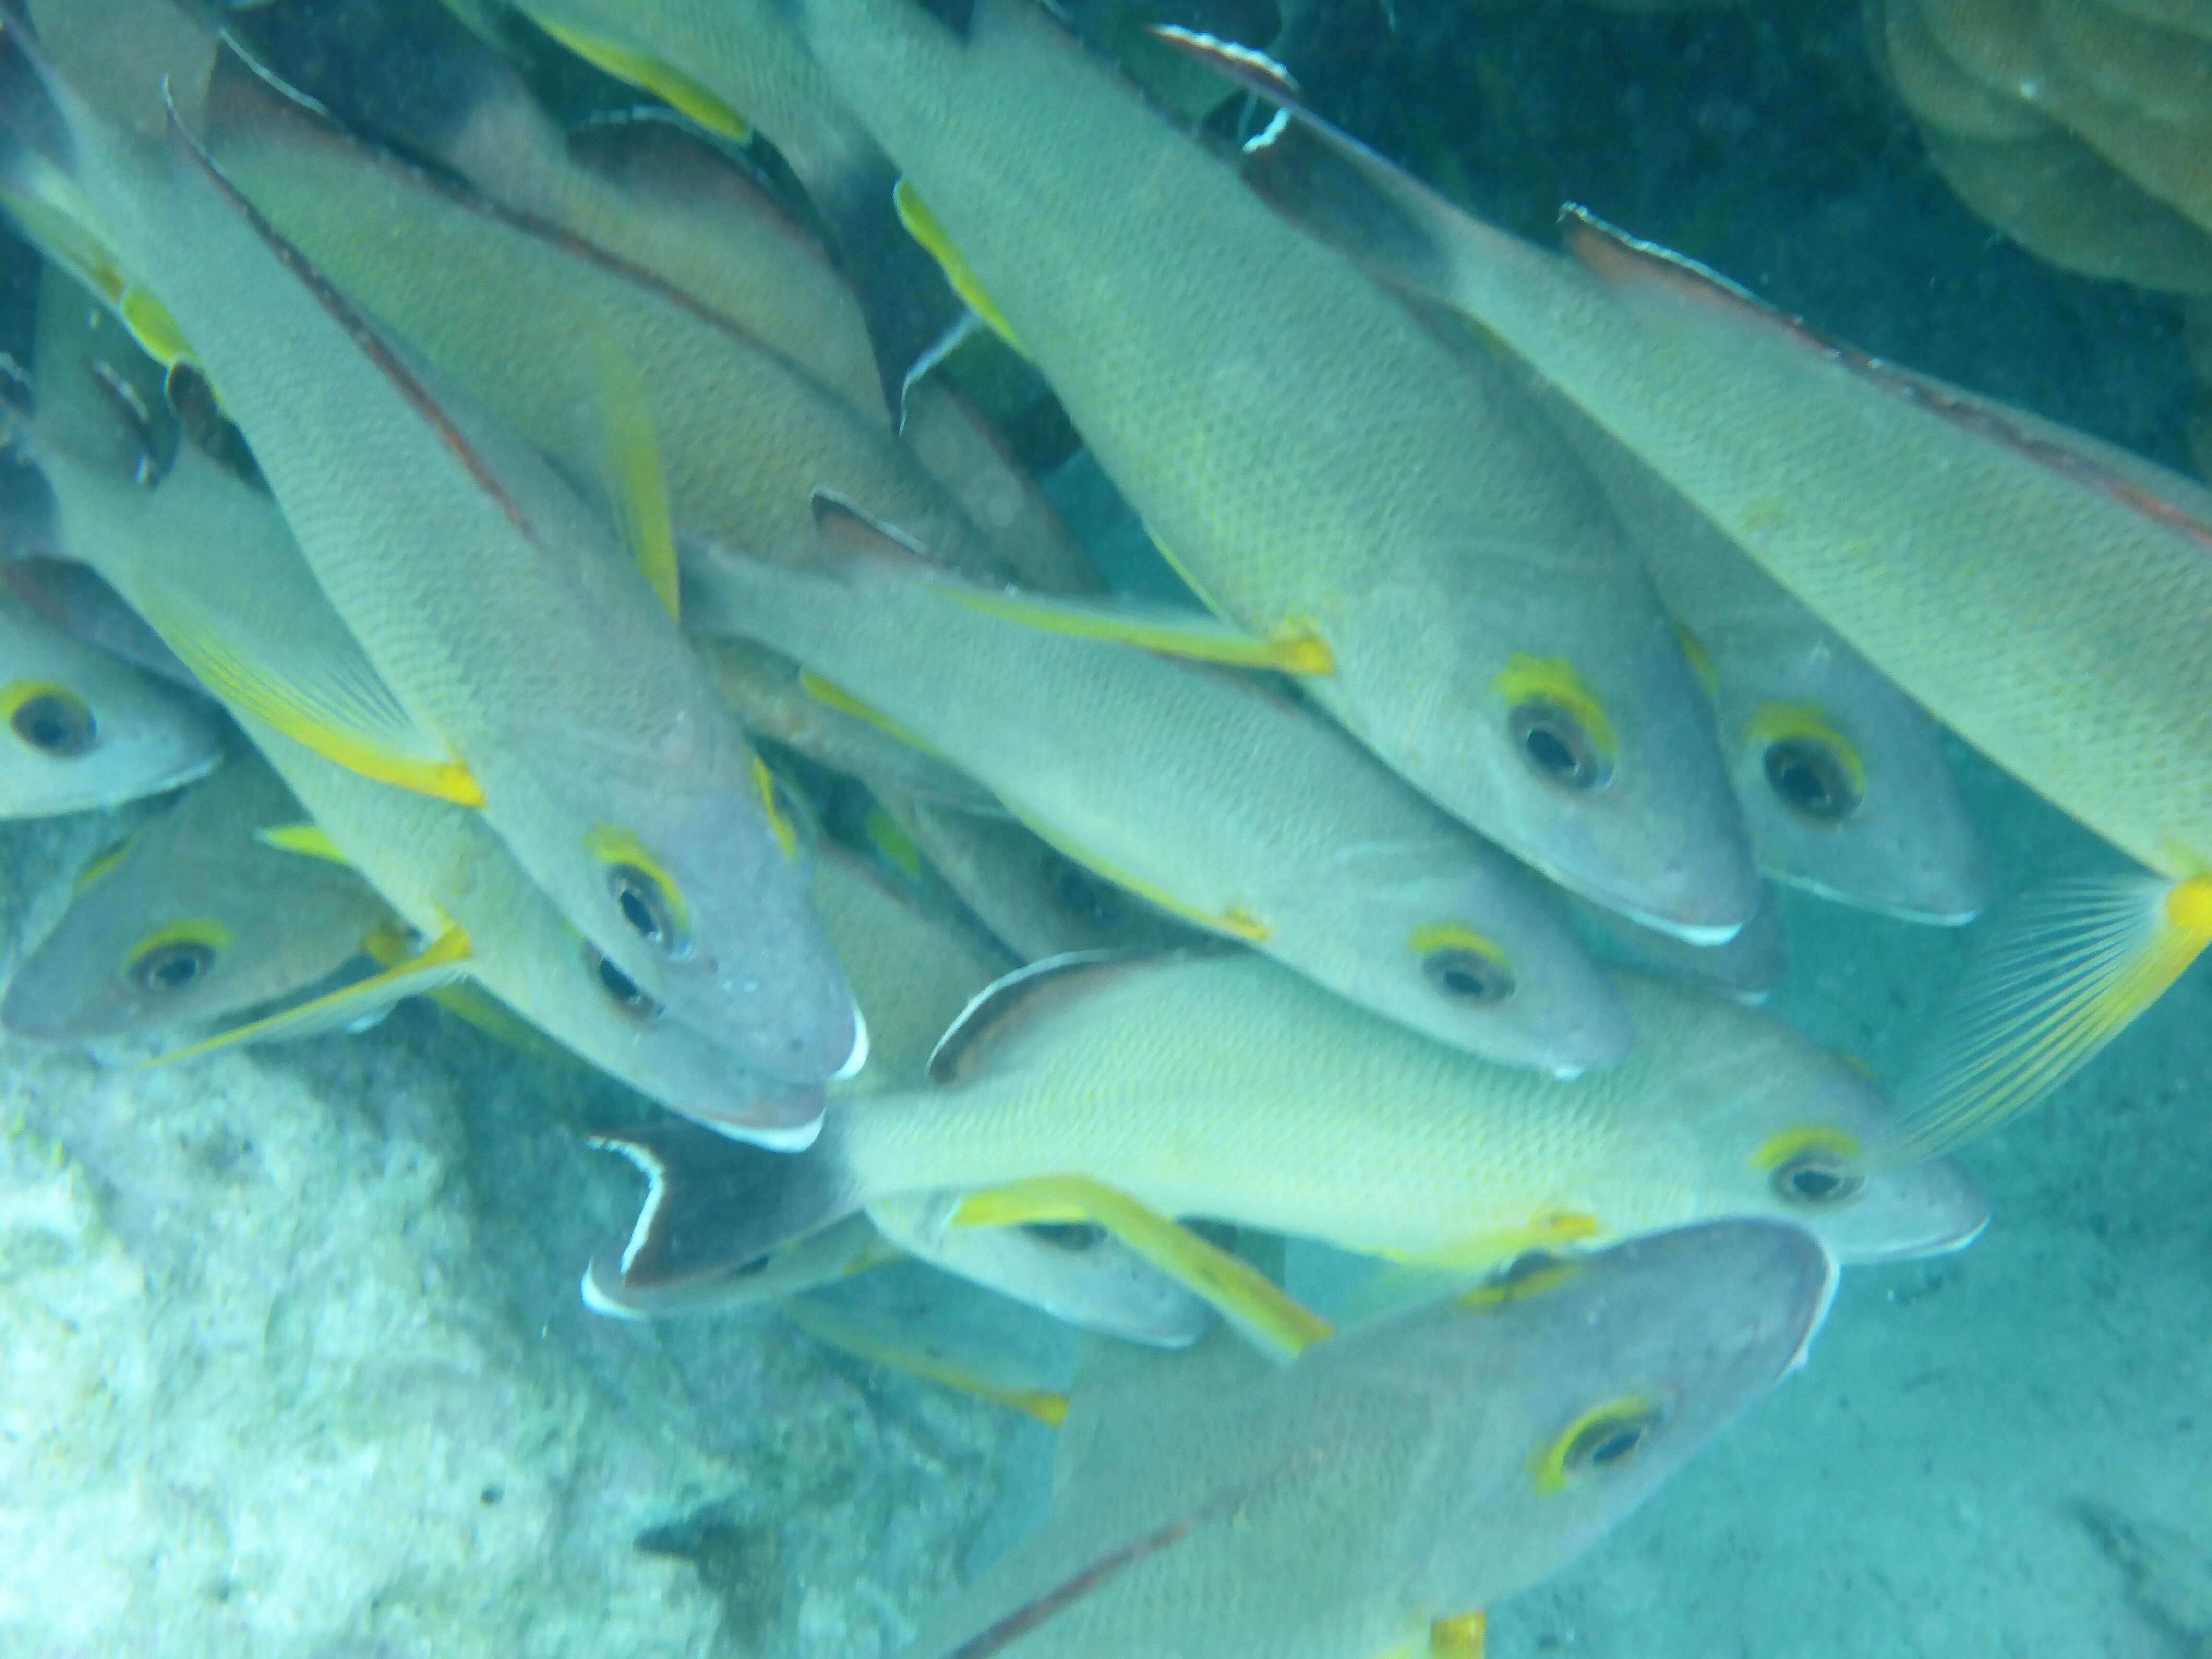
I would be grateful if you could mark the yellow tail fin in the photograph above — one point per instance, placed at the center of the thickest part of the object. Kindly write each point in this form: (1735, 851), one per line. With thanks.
(2064, 973)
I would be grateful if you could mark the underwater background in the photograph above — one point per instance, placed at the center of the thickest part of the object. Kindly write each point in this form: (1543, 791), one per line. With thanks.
(292, 1359)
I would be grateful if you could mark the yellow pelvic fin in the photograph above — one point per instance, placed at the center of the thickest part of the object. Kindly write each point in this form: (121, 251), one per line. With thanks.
(308, 840)
(1297, 649)
(779, 821)
(334, 705)
(670, 85)
(391, 943)
(1463, 1637)
(446, 961)
(103, 864)
(921, 224)
(2061, 975)
(637, 488)
(1280, 1326)
(897, 847)
(830, 696)
(1700, 660)
(1236, 921)
(876, 1341)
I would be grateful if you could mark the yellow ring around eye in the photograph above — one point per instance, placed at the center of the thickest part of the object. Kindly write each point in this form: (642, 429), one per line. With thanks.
(613, 845)
(1555, 681)
(1552, 1468)
(1778, 1149)
(1451, 936)
(205, 930)
(1806, 722)
(21, 712)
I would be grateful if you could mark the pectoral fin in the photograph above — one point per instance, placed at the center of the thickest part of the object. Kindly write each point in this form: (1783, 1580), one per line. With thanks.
(921, 224)
(1298, 649)
(309, 841)
(1239, 1291)
(323, 695)
(636, 486)
(446, 961)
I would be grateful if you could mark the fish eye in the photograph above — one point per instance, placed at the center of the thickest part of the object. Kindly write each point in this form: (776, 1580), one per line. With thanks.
(1815, 1181)
(172, 967)
(54, 721)
(644, 903)
(621, 988)
(1811, 779)
(1557, 746)
(1602, 1438)
(1470, 976)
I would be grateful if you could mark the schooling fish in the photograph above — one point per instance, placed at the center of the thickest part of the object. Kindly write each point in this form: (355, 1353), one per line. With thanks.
(2046, 596)
(1227, 804)
(524, 320)
(80, 729)
(1376, 1497)
(739, 53)
(1231, 1089)
(193, 918)
(1843, 781)
(531, 668)
(1331, 478)
(204, 544)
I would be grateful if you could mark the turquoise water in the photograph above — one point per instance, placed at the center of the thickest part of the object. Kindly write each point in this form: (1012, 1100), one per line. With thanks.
(292, 1358)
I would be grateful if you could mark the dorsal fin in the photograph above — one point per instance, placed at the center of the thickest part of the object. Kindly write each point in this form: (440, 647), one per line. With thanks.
(957, 1052)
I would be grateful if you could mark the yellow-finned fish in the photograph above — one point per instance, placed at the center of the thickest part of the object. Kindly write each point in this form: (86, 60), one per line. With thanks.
(1375, 1498)
(80, 729)
(1330, 478)
(739, 52)
(1226, 804)
(522, 318)
(516, 659)
(192, 919)
(204, 535)
(1231, 1089)
(2045, 595)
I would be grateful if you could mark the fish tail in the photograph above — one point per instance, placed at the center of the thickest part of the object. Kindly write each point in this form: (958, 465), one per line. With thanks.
(2061, 975)
(713, 1208)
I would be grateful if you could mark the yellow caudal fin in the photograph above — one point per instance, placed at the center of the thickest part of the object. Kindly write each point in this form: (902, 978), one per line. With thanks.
(1297, 649)
(324, 697)
(390, 944)
(637, 488)
(686, 96)
(2061, 975)
(309, 841)
(1278, 1325)
(880, 1343)
(446, 961)
(921, 224)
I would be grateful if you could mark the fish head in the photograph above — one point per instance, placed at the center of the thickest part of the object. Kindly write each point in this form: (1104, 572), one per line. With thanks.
(80, 730)
(1599, 1381)
(1791, 1144)
(1847, 793)
(691, 881)
(1579, 742)
(1463, 946)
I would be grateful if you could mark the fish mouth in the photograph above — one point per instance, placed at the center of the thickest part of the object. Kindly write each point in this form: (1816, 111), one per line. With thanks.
(1924, 915)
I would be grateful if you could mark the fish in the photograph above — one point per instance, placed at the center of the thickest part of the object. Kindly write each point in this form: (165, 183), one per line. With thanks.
(1039, 903)
(1333, 481)
(740, 52)
(83, 730)
(1232, 807)
(519, 660)
(521, 316)
(1842, 780)
(1748, 967)
(1943, 535)
(1397, 1480)
(1232, 1089)
(441, 866)
(191, 920)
